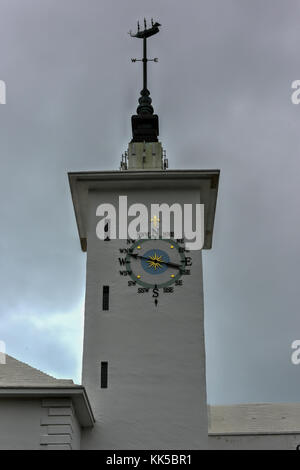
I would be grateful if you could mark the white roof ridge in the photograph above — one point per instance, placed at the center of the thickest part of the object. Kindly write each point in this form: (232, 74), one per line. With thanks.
(16, 372)
(32, 367)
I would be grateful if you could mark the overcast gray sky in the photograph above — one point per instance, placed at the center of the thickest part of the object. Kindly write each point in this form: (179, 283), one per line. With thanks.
(222, 90)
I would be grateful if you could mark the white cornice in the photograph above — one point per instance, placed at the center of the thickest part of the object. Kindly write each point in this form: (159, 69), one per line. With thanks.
(207, 181)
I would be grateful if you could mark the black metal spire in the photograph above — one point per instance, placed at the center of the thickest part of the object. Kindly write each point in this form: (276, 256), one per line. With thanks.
(145, 123)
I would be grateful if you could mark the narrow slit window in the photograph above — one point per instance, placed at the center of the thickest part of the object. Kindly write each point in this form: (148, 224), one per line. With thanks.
(107, 230)
(104, 374)
(105, 298)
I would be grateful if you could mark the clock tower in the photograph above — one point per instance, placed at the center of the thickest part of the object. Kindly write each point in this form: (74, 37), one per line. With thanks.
(144, 350)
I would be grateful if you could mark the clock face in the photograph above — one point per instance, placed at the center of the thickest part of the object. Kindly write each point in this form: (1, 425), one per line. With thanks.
(155, 263)
(155, 266)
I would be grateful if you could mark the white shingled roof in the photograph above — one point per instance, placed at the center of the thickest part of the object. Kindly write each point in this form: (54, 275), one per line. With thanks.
(15, 373)
(254, 418)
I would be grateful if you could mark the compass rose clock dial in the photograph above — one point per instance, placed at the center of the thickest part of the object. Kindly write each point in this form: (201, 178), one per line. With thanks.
(156, 265)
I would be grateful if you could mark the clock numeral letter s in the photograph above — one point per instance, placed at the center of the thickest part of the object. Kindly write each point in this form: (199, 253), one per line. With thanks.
(155, 292)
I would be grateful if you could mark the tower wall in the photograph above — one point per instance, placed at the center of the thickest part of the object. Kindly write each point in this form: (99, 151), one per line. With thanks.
(156, 394)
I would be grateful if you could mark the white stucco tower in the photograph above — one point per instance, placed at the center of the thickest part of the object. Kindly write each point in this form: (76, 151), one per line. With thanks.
(144, 350)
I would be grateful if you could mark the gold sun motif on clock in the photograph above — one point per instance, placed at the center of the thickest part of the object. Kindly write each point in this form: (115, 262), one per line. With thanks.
(155, 261)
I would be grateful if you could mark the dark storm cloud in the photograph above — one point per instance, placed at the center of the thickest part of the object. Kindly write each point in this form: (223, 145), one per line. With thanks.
(222, 91)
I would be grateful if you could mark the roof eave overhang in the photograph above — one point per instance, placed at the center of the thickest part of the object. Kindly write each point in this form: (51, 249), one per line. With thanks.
(78, 395)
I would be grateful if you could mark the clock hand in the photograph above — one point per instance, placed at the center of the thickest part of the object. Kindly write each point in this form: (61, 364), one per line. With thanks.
(173, 265)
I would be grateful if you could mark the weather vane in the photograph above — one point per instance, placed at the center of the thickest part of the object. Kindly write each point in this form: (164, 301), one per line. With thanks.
(145, 123)
(146, 33)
